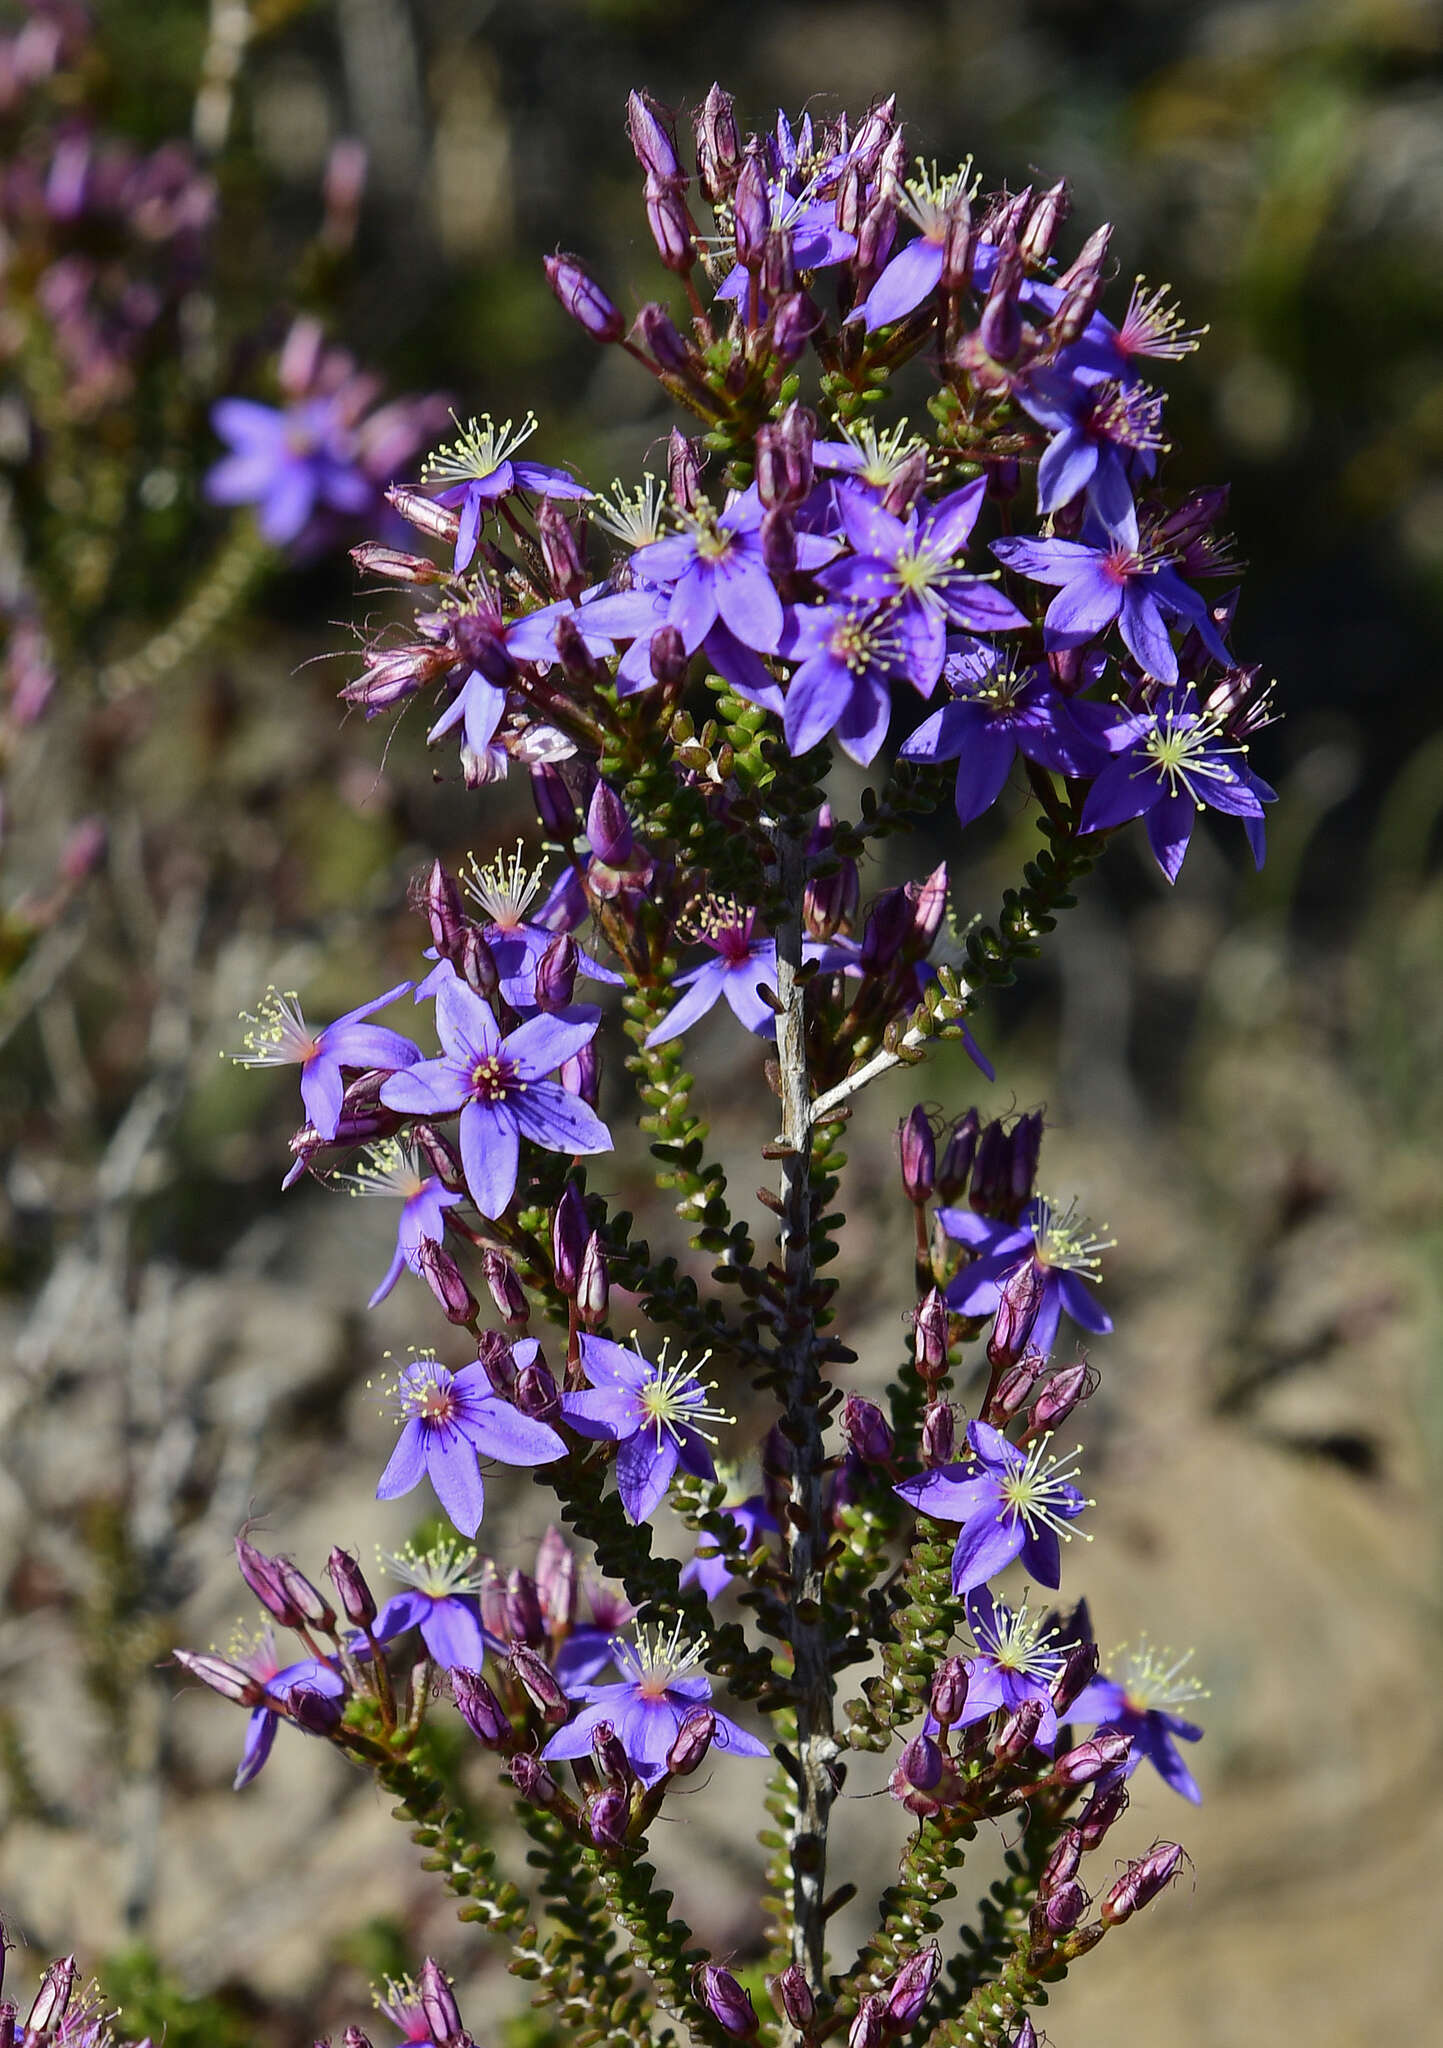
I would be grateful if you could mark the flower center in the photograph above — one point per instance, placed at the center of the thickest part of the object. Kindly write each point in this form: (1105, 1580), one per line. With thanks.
(1120, 564)
(1016, 1641)
(503, 889)
(480, 448)
(492, 1078)
(1039, 1491)
(278, 1034)
(1185, 749)
(675, 1399)
(1065, 1240)
(1153, 1679)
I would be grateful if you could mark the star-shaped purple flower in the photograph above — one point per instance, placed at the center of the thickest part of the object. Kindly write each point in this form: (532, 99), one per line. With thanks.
(1176, 762)
(1016, 1661)
(1107, 580)
(639, 614)
(480, 467)
(661, 1687)
(395, 1171)
(279, 1036)
(714, 571)
(656, 1415)
(743, 962)
(440, 1599)
(912, 564)
(451, 1419)
(1096, 428)
(259, 1658)
(1061, 1244)
(848, 657)
(501, 1088)
(1013, 1506)
(916, 271)
(1001, 709)
(1139, 1702)
(286, 463)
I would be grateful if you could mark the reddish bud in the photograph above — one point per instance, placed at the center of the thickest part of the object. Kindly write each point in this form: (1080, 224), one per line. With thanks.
(792, 1997)
(560, 550)
(540, 1683)
(532, 1779)
(1091, 1758)
(653, 138)
(480, 1709)
(1019, 1732)
(1141, 1882)
(593, 1285)
(608, 828)
(949, 1691)
(536, 1393)
(446, 1281)
(53, 1996)
(524, 1622)
(956, 1163)
(869, 2026)
(1061, 1910)
(438, 2004)
(608, 1816)
(718, 145)
(583, 298)
(672, 227)
(868, 1433)
(669, 658)
(358, 1603)
(683, 471)
(262, 1575)
(570, 1235)
(1019, 1299)
(439, 521)
(1047, 215)
(752, 214)
(553, 802)
(929, 1336)
(1060, 1395)
(1079, 1668)
(314, 1609)
(441, 901)
(918, 1151)
(504, 1287)
(556, 973)
(910, 1988)
(1061, 1865)
(693, 1740)
(725, 2000)
(1106, 1805)
(372, 558)
(556, 1579)
(313, 1712)
(939, 1434)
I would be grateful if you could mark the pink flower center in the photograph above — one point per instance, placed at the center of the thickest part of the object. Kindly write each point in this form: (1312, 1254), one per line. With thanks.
(491, 1078)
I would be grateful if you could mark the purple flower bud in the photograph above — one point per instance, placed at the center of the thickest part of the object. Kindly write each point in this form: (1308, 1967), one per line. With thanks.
(1020, 1297)
(1078, 1671)
(1089, 258)
(358, 1603)
(532, 1779)
(1061, 1910)
(672, 227)
(1026, 2035)
(314, 1609)
(1013, 1388)
(480, 1709)
(999, 331)
(1091, 1758)
(918, 1150)
(779, 542)
(957, 1156)
(608, 1753)
(1106, 1806)
(314, 1713)
(874, 134)
(795, 319)
(652, 132)
(992, 1168)
(556, 1579)
(663, 340)
(441, 901)
(792, 1997)
(784, 457)
(725, 2000)
(541, 1684)
(683, 471)
(1061, 1864)
(693, 1740)
(929, 906)
(556, 973)
(552, 799)
(851, 200)
(9, 2018)
(422, 512)
(869, 2027)
(524, 1620)
(1141, 1882)
(1026, 1146)
(262, 1575)
(1040, 232)
(583, 298)
(867, 1430)
(593, 1285)
(929, 1336)
(608, 1816)
(831, 899)
(752, 213)
(354, 2038)
(565, 570)
(438, 2004)
(1060, 1395)
(395, 673)
(581, 1074)
(1018, 1732)
(939, 1434)
(505, 1288)
(53, 1996)
(876, 233)
(718, 145)
(909, 1990)
(886, 930)
(478, 964)
(491, 1597)
(446, 1281)
(608, 828)
(536, 1392)
(779, 273)
(373, 558)
(958, 244)
(668, 657)
(949, 1691)
(921, 1764)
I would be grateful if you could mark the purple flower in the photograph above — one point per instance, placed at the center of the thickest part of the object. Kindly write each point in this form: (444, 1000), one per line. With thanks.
(591, 1646)
(1151, 328)
(500, 1087)
(911, 563)
(713, 572)
(744, 962)
(1062, 1245)
(395, 1171)
(451, 1419)
(639, 614)
(709, 1568)
(279, 1036)
(1012, 1505)
(646, 1710)
(1139, 1702)
(480, 704)
(1095, 428)
(287, 463)
(849, 656)
(1176, 763)
(1016, 1661)
(1001, 709)
(1111, 580)
(440, 1600)
(655, 1414)
(259, 1658)
(479, 467)
(914, 273)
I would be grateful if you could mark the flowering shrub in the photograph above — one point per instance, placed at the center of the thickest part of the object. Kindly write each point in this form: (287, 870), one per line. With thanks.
(675, 667)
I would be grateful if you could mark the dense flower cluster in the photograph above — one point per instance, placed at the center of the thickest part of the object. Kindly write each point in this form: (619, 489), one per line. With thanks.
(674, 667)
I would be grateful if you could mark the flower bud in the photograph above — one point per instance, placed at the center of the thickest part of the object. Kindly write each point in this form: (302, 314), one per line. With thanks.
(438, 2004)
(668, 657)
(652, 133)
(1141, 1882)
(868, 1433)
(779, 273)
(504, 1287)
(581, 1074)
(560, 550)
(918, 1150)
(869, 2026)
(1088, 259)
(1014, 1386)
(583, 298)
(795, 319)
(593, 1285)
(395, 673)
(876, 233)
(831, 899)
(752, 214)
(53, 1996)
(222, 1676)
(784, 457)
(353, 2038)
(957, 1153)
(608, 828)
(725, 2000)
(491, 1597)
(886, 930)
(1079, 1668)
(921, 1764)
(1062, 1862)
(556, 973)
(1106, 1805)
(1018, 1732)
(477, 965)
(1026, 1148)
(779, 542)
(909, 1989)
(958, 244)
(373, 558)
(262, 1575)
(792, 1997)
(1040, 232)
(441, 900)
(672, 228)
(570, 1235)
(314, 1609)
(693, 1740)
(580, 666)
(532, 1779)
(991, 1168)
(446, 1281)
(683, 470)
(949, 1691)
(929, 1336)
(608, 1816)
(540, 1683)
(874, 134)
(999, 331)
(1019, 1299)
(939, 1434)
(1026, 2035)
(9, 2019)
(524, 1620)
(1060, 1395)
(1101, 1752)
(552, 799)
(313, 1712)
(1061, 1910)
(536, 1393)
(851, 200)
(663, 340)
(480, 1709)
(441, 522)
(556, 1579)
(358, 1603)
(608, 1753)
(718, 145)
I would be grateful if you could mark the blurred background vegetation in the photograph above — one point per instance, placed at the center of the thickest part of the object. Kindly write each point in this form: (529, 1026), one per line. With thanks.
(1244, 1072)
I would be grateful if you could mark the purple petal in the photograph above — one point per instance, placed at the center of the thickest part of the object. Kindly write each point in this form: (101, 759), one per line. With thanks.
(1065, 469)
(693, 608)
(370, 1045)
(542, 1044)
(392, 1274)
(736, 1741)
(430, 1088)
(947, 527)
(1169, 828)
(552, 1116)
(1123, 791)
(737, 665)
(260, 1735)
(288, 504)
(1144, 631)
(575, 1738)
(322, 1092)
(1041, 1555)
(1084, 608)
(451, 1465)
(986, 1547)
(954, 1494)
(464, 1023)
(903, 285)
(748, 603)
(1167, 1760)
(982, 772)
(1076, 1298)
(453, 1635)
(644, 1471)
(707, 983)
(608, 1363)
(490, 1148)
(407, 1466)
(605, 1413)
(741, 987)
(1045, 561)
(500, 1431)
